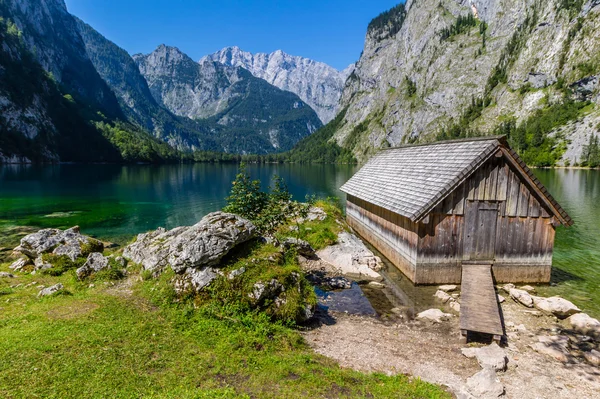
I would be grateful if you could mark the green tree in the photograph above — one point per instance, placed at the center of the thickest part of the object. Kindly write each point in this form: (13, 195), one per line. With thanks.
(246, 199)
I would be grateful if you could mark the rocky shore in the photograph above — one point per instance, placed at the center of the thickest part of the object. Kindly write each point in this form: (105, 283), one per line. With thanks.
(551, 347)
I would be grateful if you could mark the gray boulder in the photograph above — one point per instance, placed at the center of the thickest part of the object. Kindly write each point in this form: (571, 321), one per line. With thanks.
(302, 247)
(584, 88)
(201, 245)
(94, 263)
(59, 242)
(264, 291)
(19, 264)
(40, 264)
(50, 290)
(491, 356)
(338, 282)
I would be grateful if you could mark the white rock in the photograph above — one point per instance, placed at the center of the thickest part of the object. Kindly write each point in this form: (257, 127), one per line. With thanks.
(51, 290)
(522, 297)
(501, 299)
(556, 305)
(485, 384)
(434, 315)
(584, 324)
(442, 296)
(375, 284)
(5, 274)
(19, 264)
(508, 287)
(491, 356)
(447, 287)
(352, 257)
(454, 305)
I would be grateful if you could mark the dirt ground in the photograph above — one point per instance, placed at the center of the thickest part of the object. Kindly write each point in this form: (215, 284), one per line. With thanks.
(432, 352)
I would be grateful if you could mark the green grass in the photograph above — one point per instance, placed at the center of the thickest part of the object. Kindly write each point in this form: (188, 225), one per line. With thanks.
(105, 342)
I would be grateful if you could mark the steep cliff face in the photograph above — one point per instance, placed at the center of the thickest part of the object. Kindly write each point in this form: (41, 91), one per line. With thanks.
(452, 68)
(50, 33)
(316, 83)
(253, 115)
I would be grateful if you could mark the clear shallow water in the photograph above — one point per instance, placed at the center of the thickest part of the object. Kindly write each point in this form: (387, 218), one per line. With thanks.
(116, 202)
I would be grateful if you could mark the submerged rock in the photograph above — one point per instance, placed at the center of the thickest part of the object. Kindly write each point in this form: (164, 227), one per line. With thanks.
(447, 287)
(442, 296)
(352, 257)
(337, 282)
(50, 290)
(94, 263)
(491, 356)
(435, 315)
(203, 244)
(556, 305)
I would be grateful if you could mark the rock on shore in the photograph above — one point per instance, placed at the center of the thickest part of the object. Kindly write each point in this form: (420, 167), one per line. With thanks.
(352, 257)
(69, 242)
(191, 251)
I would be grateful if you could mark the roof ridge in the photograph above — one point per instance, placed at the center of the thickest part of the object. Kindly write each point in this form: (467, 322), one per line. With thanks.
(499, 138)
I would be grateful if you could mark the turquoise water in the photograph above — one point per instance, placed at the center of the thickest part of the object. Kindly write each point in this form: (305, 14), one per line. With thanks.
(116, 202)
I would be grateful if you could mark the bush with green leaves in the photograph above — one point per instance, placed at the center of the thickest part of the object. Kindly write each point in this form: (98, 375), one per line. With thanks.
(266, 210)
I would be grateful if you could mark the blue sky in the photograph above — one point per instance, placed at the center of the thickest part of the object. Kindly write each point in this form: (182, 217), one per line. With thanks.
(331, 31)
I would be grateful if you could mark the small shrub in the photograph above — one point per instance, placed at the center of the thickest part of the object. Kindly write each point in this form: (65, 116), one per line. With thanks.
(91, 246)
(60, 264)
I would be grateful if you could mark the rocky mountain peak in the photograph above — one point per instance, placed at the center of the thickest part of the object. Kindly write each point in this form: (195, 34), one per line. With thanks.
(316, 83)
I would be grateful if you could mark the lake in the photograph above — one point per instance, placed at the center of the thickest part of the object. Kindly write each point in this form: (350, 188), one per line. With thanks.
(116, 202)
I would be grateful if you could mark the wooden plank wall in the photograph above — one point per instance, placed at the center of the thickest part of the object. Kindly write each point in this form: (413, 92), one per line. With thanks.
(393, 235)
(524, 236)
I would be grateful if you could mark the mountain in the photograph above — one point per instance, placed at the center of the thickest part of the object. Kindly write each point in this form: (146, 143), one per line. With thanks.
(50, 33)
(252, 115)
(438, 69)
(53, 104)
(121, 73)
(316, 83)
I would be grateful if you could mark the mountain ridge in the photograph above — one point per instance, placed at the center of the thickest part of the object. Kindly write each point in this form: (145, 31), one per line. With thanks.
(252, 110)
(315, 82)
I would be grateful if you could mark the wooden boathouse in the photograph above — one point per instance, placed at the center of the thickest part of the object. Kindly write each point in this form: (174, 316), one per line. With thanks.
(432, 209)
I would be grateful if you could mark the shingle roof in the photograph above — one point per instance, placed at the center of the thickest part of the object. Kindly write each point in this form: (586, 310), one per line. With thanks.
(412, 180)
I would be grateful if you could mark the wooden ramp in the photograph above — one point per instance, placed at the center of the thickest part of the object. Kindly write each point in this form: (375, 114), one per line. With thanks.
(479, 310)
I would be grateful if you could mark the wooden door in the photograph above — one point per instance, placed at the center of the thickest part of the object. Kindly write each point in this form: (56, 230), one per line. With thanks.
(481, 218)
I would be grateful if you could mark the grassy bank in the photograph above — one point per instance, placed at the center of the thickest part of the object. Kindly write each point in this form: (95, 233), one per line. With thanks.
(131, 338)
